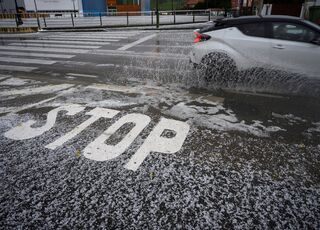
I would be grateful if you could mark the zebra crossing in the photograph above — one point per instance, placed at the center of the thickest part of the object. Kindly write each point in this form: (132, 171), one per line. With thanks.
(26, 54)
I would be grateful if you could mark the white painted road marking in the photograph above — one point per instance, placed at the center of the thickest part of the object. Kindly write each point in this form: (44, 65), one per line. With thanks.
(40, 41)
(21, 108)
(27, 61)
(18, 109)
(17, 68)
(81, 75)
(156, 143)
(99, 151)
(54, 45)
(25, 131)
(85, 39)
(54, 50)
(42, 89)
(36, 54)
(128, 46)
(95, 36)
(115, 88)
(2, 76)
(95, 114)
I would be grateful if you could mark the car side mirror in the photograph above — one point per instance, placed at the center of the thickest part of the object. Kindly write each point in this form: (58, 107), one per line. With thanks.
(316, 41)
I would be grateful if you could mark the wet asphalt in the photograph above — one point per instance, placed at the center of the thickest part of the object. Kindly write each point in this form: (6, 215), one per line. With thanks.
(250, 158)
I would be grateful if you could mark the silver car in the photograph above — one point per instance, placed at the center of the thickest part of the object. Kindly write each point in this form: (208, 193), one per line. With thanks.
(279, 42)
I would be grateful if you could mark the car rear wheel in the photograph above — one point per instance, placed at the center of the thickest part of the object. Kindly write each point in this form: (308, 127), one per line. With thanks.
(218, 67)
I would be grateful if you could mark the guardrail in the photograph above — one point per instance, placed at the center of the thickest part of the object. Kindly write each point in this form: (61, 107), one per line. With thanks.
(50, 20)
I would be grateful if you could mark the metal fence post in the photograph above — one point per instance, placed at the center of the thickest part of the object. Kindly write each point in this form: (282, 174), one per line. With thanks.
(16, 18)
(100, 19)
(127, 18)
(157, 13)
(152, 18)
(72, 20)
(158, 19)
(193, 17)
(174, 17)
(44, 20)
(38, 21)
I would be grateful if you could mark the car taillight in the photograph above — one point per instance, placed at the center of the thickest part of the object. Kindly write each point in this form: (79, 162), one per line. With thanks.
(201, 37)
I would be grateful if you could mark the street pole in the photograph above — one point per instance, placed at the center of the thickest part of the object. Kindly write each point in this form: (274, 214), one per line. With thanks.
(18, 19)
(157, 13)
(37, 16)
(74, 8)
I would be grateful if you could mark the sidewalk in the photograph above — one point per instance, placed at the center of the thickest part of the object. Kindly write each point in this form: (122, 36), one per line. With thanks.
(144, 27)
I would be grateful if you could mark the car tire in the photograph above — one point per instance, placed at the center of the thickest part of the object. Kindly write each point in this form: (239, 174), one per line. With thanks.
(218, 67)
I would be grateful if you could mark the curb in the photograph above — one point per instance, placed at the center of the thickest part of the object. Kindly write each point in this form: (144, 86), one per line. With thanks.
(180, 26)
(18, 30)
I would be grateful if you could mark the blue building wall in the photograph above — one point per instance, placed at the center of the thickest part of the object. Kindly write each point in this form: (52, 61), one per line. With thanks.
(94, 7)
(145, 5)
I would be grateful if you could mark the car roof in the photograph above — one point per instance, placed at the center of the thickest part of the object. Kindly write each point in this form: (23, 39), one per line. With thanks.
(229, 22)
(246, 19)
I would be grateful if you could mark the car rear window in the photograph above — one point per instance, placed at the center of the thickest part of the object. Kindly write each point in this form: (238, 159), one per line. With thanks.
(215, 26)
(256, 29)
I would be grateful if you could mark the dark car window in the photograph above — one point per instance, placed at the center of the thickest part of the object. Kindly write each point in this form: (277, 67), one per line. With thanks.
(292, 32)
(256, 29)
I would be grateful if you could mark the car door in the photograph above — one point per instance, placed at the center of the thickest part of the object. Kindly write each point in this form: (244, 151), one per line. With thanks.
(250, 40)
(292, 48)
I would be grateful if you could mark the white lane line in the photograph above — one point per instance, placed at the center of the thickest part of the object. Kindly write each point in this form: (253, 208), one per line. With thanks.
(114, 88)
(17, 68)
(81, 75)
(55, 50)
(3, 76)
(18, 109)
(130, 45)
(83, 39)
(104, 33)
(140, 55)
(39, 90)
(105, 65)
(54, 45)
(37, 54)
(86, 36)
(58, 41)
(27, 61)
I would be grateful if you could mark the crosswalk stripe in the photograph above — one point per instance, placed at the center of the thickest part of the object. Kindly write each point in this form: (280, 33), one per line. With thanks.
(54, 45)
(36, 55)
(81, 75)
(104, 33)
(27, 61)
(17, 68)
(88, 36)
(37, 90)
(58, 41)
(130, 45)
(55, 50)
(82, 39)
(3, 77)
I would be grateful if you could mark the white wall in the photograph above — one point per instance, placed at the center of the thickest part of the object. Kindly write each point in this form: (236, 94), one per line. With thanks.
(53, 5)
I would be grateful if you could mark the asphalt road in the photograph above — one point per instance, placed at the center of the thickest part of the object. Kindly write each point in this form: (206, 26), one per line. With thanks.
(116, 130)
